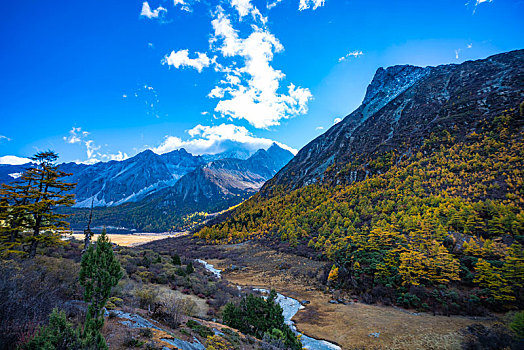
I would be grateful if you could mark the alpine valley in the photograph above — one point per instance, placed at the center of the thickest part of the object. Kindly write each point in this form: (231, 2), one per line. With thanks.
(400, 227)
(262, 175)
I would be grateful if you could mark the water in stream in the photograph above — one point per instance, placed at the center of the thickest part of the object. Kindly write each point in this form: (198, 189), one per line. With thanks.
(290, 307)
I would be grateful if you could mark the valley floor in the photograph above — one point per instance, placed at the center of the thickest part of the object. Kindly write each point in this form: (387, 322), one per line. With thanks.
(132, 240)
(350, 325)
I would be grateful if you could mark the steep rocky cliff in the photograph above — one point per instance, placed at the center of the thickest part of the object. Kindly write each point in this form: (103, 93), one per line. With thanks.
(402, 106)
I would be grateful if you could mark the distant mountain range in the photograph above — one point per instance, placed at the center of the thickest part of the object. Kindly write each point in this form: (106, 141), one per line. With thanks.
(228, 177)
(177, 182)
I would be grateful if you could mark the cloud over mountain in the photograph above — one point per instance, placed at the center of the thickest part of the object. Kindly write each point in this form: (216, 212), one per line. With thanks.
(216, 139)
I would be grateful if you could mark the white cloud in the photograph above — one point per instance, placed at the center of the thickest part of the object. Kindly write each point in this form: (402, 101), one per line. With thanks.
(319, 128)
(306, 4)
(216, 139)
(350, 54)
(477, 3)
(181, 59)
(251, 91)
(75, 135)
(242, 6)
(147, 12)
(116, 156)
(271, 4)
(217, 92)
(183, 5)
(2, 137)
(251, 87)
(100, 157)
(337, 120)
(457, 51)
(14, 160)
(119, 156)
(91, 148)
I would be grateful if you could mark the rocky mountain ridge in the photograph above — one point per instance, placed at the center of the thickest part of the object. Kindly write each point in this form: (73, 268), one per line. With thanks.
(225, 178)
(109, 184)
(402, 106)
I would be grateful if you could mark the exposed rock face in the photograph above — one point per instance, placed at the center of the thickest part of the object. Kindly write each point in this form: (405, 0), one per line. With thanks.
(114, 183)
(402, 106)
(167, 186)
(146, 174)
(226, 178)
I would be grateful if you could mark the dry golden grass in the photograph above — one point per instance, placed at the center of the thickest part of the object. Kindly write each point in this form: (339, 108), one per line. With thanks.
(427, 341)
(132, 240)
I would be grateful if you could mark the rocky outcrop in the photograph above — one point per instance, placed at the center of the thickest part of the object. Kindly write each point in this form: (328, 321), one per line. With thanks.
(402, 106)
(225, 179)
(118, 182)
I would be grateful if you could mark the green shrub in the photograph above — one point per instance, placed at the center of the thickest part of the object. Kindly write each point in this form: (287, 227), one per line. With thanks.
(259, 317)
(58, 334)
(175, 260)
(202, 330)
(517, 325)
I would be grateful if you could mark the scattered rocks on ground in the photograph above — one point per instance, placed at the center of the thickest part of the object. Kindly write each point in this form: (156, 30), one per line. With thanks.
(184, 345)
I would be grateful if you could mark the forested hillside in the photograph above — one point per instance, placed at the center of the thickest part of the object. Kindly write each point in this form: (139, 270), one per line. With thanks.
(437, 226)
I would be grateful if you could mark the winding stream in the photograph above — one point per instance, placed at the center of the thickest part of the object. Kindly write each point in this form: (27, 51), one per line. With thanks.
(290, 307)
(210, 268)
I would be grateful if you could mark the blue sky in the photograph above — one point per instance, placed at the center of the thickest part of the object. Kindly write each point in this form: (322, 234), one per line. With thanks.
(99, 80)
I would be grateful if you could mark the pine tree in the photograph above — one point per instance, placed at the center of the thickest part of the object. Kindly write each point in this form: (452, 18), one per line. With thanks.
(14, 219)
(190, 269)
(28, 206)
(490, 277)
(88, 234)
(100, 272)
(175, 260)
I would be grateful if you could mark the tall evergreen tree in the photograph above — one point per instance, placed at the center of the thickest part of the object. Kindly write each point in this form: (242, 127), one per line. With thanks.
(14, 220)
(175, 260)
(27, 207)
(100, 271)
(189, 268)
